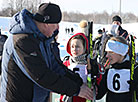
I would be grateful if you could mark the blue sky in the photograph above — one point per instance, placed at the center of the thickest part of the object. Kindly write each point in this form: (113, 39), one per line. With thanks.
(90, 6)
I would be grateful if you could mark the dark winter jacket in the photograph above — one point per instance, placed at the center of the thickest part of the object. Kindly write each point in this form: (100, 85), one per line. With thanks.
(123, 33)
(29, 67)
(2, 41)
(116, 83)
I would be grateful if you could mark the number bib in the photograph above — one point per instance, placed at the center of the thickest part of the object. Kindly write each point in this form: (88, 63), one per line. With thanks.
(117, 80)
(80, 69)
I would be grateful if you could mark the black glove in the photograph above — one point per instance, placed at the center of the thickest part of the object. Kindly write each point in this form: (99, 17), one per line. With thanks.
(94, 67)
(55, 32)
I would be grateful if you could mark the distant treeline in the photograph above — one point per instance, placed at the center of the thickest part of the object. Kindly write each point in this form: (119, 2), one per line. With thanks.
(98, 18)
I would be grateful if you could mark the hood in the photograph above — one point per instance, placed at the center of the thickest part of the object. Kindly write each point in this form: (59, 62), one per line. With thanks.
(86, 40)
(22, 23)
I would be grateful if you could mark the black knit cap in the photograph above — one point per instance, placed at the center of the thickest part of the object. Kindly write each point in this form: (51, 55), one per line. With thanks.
(48, 13)
(100, 31)
(117, 18)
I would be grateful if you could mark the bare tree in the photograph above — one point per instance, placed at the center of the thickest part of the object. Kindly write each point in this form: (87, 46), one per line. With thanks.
(129, 17)
(32, 5)
(10, 7)
(17, 5)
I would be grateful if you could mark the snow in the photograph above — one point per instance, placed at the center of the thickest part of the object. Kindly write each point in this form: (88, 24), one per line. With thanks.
(63, 36)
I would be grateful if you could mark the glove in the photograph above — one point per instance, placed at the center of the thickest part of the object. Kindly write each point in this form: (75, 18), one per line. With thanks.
(55, 32)
(94, 67)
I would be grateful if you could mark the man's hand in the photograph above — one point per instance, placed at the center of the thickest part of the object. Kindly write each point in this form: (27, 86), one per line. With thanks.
(86, 92)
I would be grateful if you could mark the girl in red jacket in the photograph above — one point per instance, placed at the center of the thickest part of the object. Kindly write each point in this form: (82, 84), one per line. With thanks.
(77, 47)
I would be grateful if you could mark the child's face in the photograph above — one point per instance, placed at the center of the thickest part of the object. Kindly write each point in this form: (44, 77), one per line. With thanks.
(77, 47)
(114, 58)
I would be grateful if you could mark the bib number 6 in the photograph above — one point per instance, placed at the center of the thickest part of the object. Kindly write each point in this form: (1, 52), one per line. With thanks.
(116, 83)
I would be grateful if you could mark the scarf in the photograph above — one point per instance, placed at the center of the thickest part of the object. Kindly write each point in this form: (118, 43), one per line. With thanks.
(82, 59)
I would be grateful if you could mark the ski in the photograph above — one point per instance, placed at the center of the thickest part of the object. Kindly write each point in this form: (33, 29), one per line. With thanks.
(89, 81)
(91, 76)
(132, 57)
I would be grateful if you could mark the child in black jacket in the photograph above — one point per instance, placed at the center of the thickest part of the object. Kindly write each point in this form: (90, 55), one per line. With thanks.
(116, 80)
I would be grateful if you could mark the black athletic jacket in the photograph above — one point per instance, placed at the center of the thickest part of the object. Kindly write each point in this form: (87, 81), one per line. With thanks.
(116, 83)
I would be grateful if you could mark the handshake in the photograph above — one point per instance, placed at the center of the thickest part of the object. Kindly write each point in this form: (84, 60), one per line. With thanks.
(91, 91)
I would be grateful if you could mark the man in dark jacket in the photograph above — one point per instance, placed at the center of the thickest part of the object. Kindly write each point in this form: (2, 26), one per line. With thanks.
(30, 68)
(122, 32)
